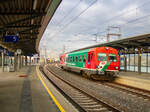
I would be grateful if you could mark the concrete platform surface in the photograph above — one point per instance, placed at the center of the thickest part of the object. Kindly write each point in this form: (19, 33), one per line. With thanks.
(23, 92)
(134, 79)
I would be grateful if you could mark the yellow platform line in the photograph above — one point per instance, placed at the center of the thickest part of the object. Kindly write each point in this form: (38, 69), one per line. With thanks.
(49, 92)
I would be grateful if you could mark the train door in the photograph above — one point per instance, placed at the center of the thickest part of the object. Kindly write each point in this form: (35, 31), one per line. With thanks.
(90, 60)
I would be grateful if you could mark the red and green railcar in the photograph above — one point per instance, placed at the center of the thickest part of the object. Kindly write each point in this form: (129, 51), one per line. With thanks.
(94, 62)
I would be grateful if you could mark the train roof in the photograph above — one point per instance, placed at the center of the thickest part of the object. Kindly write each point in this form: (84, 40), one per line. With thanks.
(78, 51)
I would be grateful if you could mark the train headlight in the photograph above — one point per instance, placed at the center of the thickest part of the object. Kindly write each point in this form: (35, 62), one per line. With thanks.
(107, 48)
(116, 67)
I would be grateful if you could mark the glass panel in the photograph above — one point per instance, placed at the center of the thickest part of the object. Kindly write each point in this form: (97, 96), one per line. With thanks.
(122, 62)
(102, 57)
(136, 62)
(131, 62)
(84, 58)
(112, 57)
(143, 62)
(76, 58)
(128, 64)
(149, 62)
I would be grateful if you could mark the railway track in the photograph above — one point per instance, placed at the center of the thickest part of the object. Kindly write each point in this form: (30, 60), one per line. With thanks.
(129, 90)
(82, 99)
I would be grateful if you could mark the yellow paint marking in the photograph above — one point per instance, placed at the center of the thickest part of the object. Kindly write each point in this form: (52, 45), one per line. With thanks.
(49, 92)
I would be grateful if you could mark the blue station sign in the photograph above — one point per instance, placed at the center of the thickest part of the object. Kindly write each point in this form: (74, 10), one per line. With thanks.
(11, 38)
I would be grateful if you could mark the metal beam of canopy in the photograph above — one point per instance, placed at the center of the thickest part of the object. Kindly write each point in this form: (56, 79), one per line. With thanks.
(26, 19)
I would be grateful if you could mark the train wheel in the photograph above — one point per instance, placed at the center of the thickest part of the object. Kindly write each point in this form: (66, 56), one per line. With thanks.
(84, 74)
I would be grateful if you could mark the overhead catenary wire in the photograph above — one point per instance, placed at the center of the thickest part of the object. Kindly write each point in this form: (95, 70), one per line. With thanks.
(64, 18)
(119, 15)
(76, 17)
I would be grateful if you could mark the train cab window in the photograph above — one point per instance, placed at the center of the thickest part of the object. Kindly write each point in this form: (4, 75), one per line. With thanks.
(79, 58)
(112, 57)
(102, 57)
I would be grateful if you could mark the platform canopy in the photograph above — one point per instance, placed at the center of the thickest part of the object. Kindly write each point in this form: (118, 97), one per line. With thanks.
(135, 44)
(28, 20)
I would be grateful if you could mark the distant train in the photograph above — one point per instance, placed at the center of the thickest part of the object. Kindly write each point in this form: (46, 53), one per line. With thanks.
(96, 63)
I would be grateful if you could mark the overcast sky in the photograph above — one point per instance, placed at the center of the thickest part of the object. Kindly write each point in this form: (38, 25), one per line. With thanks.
(77, 23)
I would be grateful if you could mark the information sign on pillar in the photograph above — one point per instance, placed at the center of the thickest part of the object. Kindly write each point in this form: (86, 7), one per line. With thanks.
(11, 38)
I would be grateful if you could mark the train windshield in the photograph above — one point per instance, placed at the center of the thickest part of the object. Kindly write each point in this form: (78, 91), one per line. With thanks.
(112, 57)
(102, 57)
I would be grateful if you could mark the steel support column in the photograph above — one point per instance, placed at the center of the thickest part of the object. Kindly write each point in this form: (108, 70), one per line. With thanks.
(129, 61)
(19, 61)
(30, 60)
(134, 62)
(22, 60)
(26, 60)
(147, 62)
(139, 63)
(125, 63)
(3, 59)
(15, 62)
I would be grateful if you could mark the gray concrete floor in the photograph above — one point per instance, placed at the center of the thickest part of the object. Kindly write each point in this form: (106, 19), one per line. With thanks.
(24, 94)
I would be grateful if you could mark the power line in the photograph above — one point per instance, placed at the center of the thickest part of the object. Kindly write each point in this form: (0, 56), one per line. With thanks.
(119, 15)
(76, 17)
(69, 12)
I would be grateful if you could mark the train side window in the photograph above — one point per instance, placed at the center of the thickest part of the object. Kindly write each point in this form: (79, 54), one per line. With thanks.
(76, 58)
(73, 58)
(84, 58)
(70, 58)
(79, 58)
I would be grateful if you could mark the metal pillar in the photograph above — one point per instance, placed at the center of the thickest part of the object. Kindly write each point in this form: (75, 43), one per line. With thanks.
(30, 60)
(15, 62)
(19, 61)
(147, 62)
(119, 61)
(22, 60)
(26, 61)
(3, 58)
(129, 62)
(125, 63)
(139, 63)
(134, 62)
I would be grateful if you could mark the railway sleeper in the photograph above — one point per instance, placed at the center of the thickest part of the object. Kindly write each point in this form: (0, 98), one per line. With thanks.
(97, 110)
